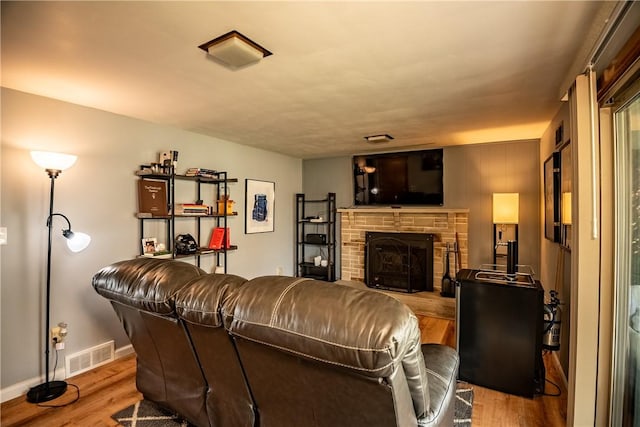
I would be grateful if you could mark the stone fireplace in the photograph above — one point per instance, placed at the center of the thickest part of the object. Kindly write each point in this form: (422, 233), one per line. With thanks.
(442, 223)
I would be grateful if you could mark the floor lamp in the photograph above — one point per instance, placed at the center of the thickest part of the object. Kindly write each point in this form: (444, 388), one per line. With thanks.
(54, 164)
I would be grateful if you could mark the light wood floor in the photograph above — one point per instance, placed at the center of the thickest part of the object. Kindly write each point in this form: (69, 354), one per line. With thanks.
(107, 389)
(421, 303)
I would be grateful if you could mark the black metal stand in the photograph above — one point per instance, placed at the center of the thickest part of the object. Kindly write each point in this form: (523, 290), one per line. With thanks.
(48, 390)
(497, 240)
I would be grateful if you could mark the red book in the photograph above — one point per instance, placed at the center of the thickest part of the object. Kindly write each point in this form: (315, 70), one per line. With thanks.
(218, 237)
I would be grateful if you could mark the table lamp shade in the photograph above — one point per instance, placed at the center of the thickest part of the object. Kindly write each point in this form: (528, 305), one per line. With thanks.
(505, 208)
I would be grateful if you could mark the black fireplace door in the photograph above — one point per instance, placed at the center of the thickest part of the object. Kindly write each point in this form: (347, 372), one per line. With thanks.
(399, 261)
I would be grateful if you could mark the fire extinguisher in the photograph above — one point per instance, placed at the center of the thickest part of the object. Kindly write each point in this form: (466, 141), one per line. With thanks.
(551, 321)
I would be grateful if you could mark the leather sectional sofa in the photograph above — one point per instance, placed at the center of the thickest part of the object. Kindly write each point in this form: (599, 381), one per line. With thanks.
(276, 351)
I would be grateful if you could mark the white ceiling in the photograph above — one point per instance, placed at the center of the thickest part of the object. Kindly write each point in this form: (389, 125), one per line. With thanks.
(431, 74)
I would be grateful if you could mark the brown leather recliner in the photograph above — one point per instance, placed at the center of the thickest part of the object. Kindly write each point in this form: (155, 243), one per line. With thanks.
(321, 354)
(277, 351)
(199, 305)
(207, 387)
(142, 293)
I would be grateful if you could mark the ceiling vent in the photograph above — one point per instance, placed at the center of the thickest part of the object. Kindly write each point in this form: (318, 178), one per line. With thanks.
(377, 139)
(234, 50)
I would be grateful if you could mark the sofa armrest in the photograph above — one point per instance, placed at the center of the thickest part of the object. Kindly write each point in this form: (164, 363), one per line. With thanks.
(442, 372)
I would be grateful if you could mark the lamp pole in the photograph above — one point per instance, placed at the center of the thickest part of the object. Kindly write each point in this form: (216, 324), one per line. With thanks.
(48, 390)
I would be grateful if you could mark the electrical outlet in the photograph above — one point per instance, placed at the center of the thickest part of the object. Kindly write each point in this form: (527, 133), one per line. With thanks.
(58, 333)
(55, 335)
(279, 271)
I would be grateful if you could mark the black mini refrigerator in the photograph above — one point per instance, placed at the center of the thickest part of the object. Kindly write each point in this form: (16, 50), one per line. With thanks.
(499, 323)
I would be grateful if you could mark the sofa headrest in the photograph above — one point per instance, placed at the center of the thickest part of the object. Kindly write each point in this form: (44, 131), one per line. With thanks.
(145, 283)
(362, 330)
(202, 300)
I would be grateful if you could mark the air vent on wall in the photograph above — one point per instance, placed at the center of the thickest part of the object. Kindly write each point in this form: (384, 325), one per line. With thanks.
(88, 359)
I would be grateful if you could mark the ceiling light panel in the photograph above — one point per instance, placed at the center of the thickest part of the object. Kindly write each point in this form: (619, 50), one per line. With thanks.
(235, 50)
(377, 139)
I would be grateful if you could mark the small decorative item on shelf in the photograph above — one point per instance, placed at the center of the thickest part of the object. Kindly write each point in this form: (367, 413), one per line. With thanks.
(186, 244)
(149, 245)
(168, 158)
(224, 200)
(152, 249)
(218, 237)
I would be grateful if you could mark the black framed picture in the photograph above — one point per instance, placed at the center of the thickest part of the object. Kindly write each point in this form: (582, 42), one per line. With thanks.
(552, 197)
(560, 134)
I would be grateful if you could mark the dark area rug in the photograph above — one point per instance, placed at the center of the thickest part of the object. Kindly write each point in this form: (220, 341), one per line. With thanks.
(147, 414)
(464, 405)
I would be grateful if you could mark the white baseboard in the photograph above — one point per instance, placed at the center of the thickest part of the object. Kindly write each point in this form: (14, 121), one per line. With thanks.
(124, 351)
(21, 388)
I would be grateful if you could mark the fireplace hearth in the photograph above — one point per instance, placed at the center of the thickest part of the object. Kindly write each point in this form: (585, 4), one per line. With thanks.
(399, 261)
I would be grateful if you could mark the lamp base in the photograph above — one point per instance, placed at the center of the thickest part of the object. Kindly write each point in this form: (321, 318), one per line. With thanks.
(46, 391)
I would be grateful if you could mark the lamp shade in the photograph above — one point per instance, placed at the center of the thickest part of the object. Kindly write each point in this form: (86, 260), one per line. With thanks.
(55, 161)
(505, 208)
(566, 208)
(76, 241)
(369, 169)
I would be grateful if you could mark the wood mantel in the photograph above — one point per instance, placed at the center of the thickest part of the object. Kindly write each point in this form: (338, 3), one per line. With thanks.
(402, 210)
(397, 213)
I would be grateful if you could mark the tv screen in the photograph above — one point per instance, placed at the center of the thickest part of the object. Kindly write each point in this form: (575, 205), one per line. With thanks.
(406, 178)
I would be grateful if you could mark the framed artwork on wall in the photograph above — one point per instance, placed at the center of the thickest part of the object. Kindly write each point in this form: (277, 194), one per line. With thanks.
(565, 195)
(259, 205)
(552, 197)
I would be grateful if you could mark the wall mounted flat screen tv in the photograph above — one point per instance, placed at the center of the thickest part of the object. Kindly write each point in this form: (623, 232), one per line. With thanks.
(404, 178)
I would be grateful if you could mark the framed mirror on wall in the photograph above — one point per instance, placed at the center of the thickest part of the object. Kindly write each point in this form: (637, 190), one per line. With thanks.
(552, 197)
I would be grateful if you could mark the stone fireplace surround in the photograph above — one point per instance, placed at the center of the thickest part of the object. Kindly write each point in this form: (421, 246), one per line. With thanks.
(443, 223)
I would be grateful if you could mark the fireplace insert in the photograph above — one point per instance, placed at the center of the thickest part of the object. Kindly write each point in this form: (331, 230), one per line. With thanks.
(399, 261)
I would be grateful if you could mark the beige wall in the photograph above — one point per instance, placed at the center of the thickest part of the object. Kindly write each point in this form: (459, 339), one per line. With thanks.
(98, 194)
(474, 172)
(555, 265)
(471, 174)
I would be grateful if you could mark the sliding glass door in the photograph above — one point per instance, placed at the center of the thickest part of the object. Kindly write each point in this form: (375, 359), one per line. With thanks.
(625, 409)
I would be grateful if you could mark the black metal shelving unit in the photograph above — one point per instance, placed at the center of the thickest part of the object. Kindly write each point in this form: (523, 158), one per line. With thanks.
(220, 219)
(316, 236)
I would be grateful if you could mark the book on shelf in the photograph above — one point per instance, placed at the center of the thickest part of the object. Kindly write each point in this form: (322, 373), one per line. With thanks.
(191, 209)
(218, 238)
(152, 197)
(202, 172)
(159, 254)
